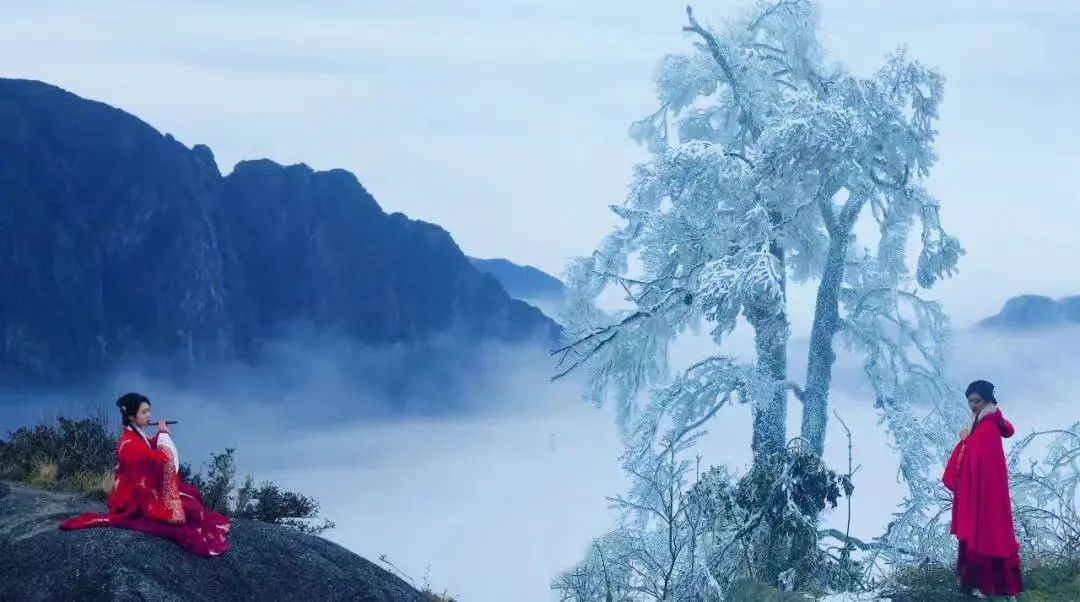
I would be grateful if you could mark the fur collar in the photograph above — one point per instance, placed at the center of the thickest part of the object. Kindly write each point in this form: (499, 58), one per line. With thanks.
(987, 411)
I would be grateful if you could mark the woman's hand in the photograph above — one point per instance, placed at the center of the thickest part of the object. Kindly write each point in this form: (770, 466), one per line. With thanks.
(964, 433)
(162, 427)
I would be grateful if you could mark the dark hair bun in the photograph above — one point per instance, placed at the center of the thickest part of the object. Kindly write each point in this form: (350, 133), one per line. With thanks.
(984, 388)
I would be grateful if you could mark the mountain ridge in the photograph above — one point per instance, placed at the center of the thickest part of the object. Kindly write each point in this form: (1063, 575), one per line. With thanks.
(121, 240)
(522, 281)
(1034, 312)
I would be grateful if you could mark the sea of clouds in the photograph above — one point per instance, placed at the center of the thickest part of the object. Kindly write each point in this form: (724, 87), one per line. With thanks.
(482, 477)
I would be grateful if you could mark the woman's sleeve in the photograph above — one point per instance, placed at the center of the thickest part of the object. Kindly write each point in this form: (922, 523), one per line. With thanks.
(1005, 426)
(132, 454)
(163, 440)
(951, 476)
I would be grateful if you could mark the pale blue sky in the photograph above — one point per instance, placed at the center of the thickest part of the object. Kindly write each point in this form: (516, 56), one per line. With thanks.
(505, 121)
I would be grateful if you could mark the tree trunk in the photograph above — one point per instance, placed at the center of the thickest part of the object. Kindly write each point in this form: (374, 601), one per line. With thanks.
(771, 334)
(821, 355)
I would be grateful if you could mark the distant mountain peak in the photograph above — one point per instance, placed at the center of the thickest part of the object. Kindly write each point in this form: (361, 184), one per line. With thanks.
(1035, 312)
(522, 281)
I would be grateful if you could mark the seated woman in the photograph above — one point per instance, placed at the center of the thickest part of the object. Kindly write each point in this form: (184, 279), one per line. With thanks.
(148, 494)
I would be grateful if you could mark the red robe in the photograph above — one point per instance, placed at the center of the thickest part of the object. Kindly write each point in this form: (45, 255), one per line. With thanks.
(149, 496)
(982, 520)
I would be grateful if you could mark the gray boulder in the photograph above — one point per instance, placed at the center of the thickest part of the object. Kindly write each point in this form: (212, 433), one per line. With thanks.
(264, 562)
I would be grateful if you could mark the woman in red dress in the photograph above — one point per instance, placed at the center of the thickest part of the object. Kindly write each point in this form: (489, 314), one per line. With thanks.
(988, 562)
(148, 494)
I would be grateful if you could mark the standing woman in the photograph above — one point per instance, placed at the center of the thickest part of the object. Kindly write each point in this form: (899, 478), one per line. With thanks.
(148, 494)
(988, 562)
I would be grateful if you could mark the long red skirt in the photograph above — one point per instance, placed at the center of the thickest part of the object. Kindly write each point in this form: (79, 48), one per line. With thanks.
(203, 532)
(993, 576)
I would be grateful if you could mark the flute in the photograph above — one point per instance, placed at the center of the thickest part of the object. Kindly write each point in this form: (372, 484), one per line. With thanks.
(154, 423)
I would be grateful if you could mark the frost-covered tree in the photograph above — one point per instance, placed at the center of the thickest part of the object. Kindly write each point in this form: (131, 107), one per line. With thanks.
(1046, 494)
(764, 158)
(693, 539)
(659, 550)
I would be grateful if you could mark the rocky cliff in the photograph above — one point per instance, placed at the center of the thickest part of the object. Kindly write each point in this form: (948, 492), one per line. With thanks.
(117, 240)
(264, 562)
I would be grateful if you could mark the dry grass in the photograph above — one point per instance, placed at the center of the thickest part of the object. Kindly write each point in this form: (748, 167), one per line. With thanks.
(97, 485)
(76, 455)
(43, 473)
(747, 591)
(427, 595)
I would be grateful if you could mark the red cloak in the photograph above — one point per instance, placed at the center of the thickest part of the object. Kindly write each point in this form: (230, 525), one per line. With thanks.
(149, 496)
(982, 520)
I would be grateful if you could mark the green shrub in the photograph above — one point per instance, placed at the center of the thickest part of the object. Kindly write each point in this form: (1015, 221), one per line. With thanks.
(74, 455)
(1053, 580)
(928, 581)
(218, 483)
(266, 502)
(270, 504)
(1044, 581)
(80, 456)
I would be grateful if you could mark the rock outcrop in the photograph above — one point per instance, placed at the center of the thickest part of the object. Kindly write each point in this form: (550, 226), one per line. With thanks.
(265, 562)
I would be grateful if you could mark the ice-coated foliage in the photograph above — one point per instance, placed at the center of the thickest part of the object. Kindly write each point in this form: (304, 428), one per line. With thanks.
(1046, 494)
(693, 539)
(659, 549)
(764, 157)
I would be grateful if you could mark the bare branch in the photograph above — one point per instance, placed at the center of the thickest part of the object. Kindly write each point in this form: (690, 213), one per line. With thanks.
(862, 545)
(740, 156)
(794, 387)
(788, 4)
(581, 360)
(762, 46)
